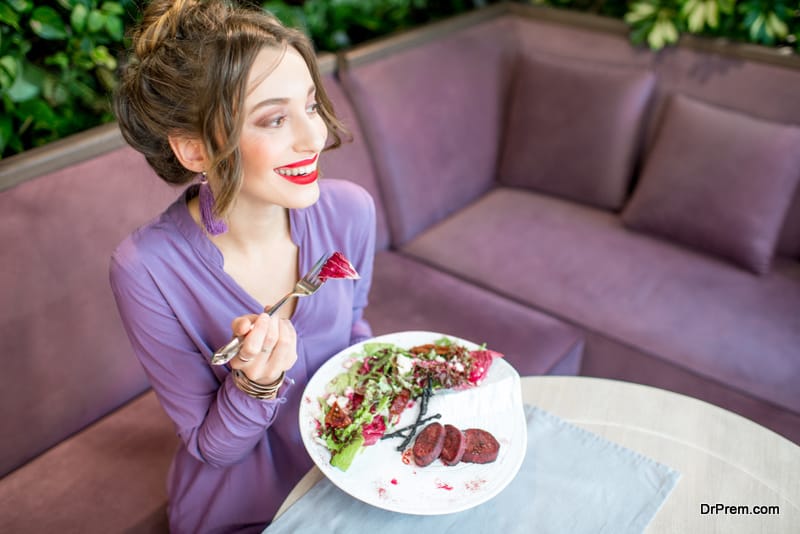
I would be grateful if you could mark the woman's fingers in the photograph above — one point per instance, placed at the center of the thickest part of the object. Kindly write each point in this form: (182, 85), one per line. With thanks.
(285, 349)
(242, 325)
(261, 338)
(282, 356)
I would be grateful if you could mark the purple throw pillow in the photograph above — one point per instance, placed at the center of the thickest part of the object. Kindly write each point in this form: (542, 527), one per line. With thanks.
(573, 129)
(719, 181)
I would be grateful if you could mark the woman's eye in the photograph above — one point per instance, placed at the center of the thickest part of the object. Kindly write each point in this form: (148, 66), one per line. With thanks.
(313, 108)
(276, 122)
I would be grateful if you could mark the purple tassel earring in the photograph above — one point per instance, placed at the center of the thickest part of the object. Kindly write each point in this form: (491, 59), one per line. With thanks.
(212, 224)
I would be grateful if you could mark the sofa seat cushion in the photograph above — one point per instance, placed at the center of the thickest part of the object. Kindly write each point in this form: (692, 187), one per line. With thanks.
(719, 181)
(408, 295)
(583, 265)
(111, 477)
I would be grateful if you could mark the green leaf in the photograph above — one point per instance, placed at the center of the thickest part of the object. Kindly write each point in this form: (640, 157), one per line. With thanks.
(102, 58)
(115, 27)
(54, 92)
(8, 71)
(68, 4)
(112, 8)
(26, 85)
(6, 131)
(345, 456)
(47, 24)
(59, 59)
(20, 6)
(96, 21)
(9, 16)
(78, 18)
(38, 114)
(776, 26)
(726, 6)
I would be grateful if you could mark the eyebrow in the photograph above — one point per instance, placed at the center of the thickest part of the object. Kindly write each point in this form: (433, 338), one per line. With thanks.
(280, 100)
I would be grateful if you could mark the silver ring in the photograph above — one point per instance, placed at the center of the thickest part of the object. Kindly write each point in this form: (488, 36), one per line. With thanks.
(245, 360)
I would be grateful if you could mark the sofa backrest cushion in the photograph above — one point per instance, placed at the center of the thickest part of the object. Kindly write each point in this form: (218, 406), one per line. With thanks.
(758, 88)
(66, 358)
(573, 128)
(719, 181)
(432, 113)
(352, 161)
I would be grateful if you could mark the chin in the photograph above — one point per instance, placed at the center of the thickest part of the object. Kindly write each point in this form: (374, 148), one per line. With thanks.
(303, 196)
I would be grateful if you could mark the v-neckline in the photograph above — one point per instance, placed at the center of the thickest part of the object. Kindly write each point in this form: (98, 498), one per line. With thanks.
(212, 256)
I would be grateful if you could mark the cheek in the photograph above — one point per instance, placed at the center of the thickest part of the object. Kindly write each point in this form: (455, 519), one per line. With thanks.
(257, 153)
(322, 130)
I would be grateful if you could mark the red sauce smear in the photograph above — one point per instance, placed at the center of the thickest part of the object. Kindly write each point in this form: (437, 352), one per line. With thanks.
(337, 266)
(394, 481)
(442, 485)
(407, 456)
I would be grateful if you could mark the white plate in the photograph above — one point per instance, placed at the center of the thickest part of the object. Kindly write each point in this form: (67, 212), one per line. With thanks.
(378, 475)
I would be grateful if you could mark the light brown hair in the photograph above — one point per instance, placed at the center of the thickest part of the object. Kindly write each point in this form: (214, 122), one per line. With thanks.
(187, 76)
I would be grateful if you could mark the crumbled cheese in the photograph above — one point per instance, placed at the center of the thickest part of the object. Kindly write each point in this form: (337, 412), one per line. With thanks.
(404, 364)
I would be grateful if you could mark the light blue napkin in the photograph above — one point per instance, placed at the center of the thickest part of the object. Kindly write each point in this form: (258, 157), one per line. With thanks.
(571, 481)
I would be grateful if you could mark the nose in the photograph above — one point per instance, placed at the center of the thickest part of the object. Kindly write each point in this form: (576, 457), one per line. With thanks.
(310, 134)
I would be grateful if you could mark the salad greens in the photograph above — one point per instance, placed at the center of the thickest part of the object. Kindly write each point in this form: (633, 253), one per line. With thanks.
(361, 403)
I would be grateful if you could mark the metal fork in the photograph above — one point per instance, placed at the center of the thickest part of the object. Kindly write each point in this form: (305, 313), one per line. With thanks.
(308, 285)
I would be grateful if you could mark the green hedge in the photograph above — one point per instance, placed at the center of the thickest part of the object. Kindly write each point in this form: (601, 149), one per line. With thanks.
(59, 58)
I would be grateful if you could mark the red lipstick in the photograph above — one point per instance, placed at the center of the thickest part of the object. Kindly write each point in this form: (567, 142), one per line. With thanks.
(303, 163)
(303, 179)
(300, 179)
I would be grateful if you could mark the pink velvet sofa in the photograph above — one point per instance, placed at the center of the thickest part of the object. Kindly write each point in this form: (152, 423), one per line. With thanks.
(579, 204)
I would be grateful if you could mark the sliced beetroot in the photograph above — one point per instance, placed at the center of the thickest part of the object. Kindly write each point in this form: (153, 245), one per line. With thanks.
(455, 443)
(428, 444)
(481, 446)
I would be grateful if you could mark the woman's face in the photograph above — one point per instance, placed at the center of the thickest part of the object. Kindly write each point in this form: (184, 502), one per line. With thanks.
(283, 134)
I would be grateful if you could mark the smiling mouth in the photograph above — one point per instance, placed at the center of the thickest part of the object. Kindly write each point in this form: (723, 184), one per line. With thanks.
(302, 172)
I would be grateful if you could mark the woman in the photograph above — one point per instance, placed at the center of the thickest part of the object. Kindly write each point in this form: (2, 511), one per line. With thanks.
(231, 96)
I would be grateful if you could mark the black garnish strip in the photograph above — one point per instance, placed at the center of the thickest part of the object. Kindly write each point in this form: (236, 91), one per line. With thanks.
(426, 395)
(399, 432)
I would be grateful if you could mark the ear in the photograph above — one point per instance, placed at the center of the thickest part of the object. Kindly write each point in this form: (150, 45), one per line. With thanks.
(190, 152)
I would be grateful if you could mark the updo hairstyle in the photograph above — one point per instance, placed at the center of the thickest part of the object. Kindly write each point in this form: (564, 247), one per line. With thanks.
(187, 76)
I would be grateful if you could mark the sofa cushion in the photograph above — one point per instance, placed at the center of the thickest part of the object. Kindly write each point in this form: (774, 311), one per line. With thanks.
(573, 128)
(718, 181)
(432, 114)
(763, 89)
(66, 355)
(582, 265)
(111, 477)
(409, 295)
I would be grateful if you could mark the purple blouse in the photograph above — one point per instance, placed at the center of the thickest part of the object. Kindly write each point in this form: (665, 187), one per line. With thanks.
(240, 456)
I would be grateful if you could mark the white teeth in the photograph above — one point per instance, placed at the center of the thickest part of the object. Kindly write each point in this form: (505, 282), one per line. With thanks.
(297, 171)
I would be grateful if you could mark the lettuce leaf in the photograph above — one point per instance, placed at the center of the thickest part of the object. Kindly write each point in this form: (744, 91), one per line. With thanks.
(345, 456)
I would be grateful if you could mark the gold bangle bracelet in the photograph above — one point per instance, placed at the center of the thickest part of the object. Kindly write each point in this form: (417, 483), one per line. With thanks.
(256, 390)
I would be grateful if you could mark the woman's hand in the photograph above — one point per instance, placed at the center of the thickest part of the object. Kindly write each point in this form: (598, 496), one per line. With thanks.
(269, 347)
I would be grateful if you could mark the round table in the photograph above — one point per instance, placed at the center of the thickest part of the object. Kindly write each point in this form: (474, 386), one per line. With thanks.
(731, 468)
